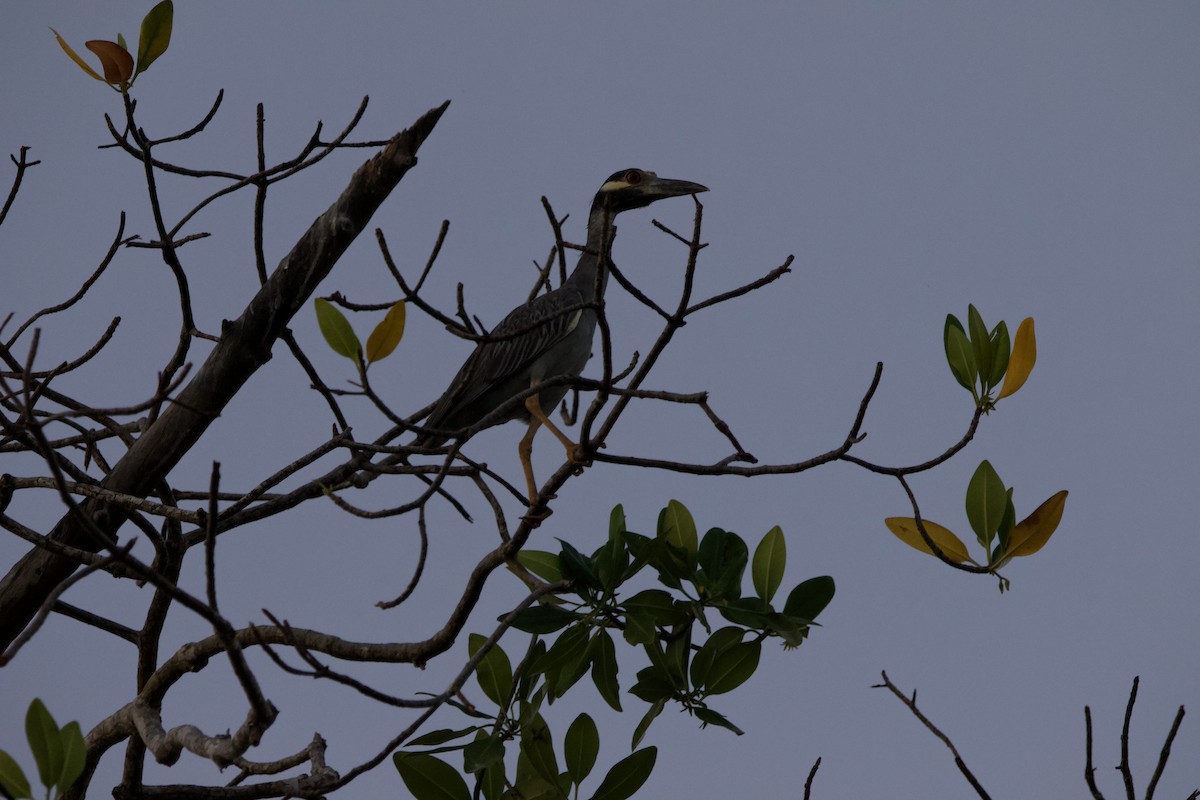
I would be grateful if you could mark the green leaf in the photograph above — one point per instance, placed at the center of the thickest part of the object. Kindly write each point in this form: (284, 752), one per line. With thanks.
(749, 611)
(677, 654)
(571, 645)
(710, 717)
(653, 684)
(656, 604)
(627, 775)
(1020, 363)
(74, 753)
(733, 667)
(581, 747)
(578, 567)
(718, 643)
(429, 778)
(336, 329)
(441, 736)
(958, 353)
(721, 559)
(809, 598)
(543, 619)
(387, 334)
(42, 732)
(530, 709)
(12, 777)
(603, 655)
(981, 344)
(675, 524)
(639, 628)
(494, 671)
(1000, 350)
(566, 661)
(616, 523)
(639, 733)
(770, 557)
(492, 782)
(986, 498)
(611, 560)
(674, 565)
(537, 745)
(1007, 522)
(483, 753)
(539, 562)
(530, 784)
(155, 35)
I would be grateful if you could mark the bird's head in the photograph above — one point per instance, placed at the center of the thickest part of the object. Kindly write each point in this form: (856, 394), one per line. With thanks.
(635, 188)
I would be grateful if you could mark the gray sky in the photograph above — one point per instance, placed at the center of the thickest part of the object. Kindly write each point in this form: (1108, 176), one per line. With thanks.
(1035, 159)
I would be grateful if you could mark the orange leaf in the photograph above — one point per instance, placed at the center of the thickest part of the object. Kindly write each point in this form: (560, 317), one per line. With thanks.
(117, 63)
(1020, 363)
(906, 531)
(1031, 533)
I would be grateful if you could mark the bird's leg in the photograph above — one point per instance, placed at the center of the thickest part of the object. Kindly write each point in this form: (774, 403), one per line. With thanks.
(575, 454)
(525, 450)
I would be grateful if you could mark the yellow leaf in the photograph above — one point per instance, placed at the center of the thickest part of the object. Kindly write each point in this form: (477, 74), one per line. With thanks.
(117, 63)
(1031, 533)
(1020, 363)
(906, 531)
(83, 65)
(386, 336)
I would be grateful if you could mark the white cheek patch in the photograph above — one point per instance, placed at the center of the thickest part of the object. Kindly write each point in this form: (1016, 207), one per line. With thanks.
(613, 186)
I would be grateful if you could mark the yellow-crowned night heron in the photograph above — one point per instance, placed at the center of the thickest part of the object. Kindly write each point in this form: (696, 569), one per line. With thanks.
(548, 337)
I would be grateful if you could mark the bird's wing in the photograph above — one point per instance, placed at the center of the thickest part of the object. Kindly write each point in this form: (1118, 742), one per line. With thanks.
(530, 330)
(526, 333)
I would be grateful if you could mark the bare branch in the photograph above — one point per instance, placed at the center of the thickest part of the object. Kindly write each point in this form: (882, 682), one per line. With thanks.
(1126, 773)
(1089, 771)
(22, 165)
(911, 704)
(812, 773)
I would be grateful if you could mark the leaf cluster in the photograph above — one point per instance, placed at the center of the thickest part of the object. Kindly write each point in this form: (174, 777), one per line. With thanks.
(993, 518)
(980, 359)
(688, 658)
(58, 752)
(342, 339)
(116, 62)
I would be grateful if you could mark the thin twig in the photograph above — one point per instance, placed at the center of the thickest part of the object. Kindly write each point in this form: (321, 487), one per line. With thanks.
(1126, 772)
(1089, 770)
(911, 704)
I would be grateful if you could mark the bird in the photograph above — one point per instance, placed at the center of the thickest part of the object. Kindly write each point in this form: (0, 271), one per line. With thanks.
(547, 338)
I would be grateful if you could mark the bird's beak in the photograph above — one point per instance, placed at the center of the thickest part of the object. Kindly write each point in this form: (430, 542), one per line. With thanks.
(657, 188)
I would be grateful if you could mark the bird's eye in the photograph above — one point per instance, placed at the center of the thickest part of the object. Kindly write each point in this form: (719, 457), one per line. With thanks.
(633, 177)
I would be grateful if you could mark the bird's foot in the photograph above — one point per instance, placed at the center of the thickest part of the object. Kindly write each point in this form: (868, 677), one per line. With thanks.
(579, 456)
(537, 513)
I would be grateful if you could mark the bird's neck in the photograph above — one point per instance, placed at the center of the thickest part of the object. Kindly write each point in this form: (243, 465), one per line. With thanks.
(594, 261)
